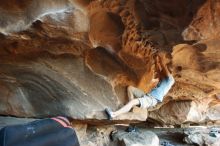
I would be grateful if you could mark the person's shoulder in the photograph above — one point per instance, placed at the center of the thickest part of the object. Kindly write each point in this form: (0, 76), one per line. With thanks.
(170, 78)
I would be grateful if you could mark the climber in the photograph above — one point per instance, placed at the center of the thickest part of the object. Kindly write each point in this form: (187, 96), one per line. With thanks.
(146, 100)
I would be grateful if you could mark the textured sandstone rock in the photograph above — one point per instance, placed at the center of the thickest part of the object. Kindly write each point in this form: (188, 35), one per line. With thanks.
(102, 35)
(49, 65)
(197, 83)
(205, 24)
(202, 137)
(143, 138)
(178, 112)
(19, 15)
(44, 86)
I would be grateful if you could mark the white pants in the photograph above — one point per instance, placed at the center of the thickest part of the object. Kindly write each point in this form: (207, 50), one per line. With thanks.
(145, 100)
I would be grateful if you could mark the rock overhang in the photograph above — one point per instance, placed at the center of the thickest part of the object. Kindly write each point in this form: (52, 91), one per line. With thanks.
(196, 69)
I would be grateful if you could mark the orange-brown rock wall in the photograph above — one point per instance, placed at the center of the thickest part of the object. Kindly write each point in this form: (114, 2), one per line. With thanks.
(115, 42)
